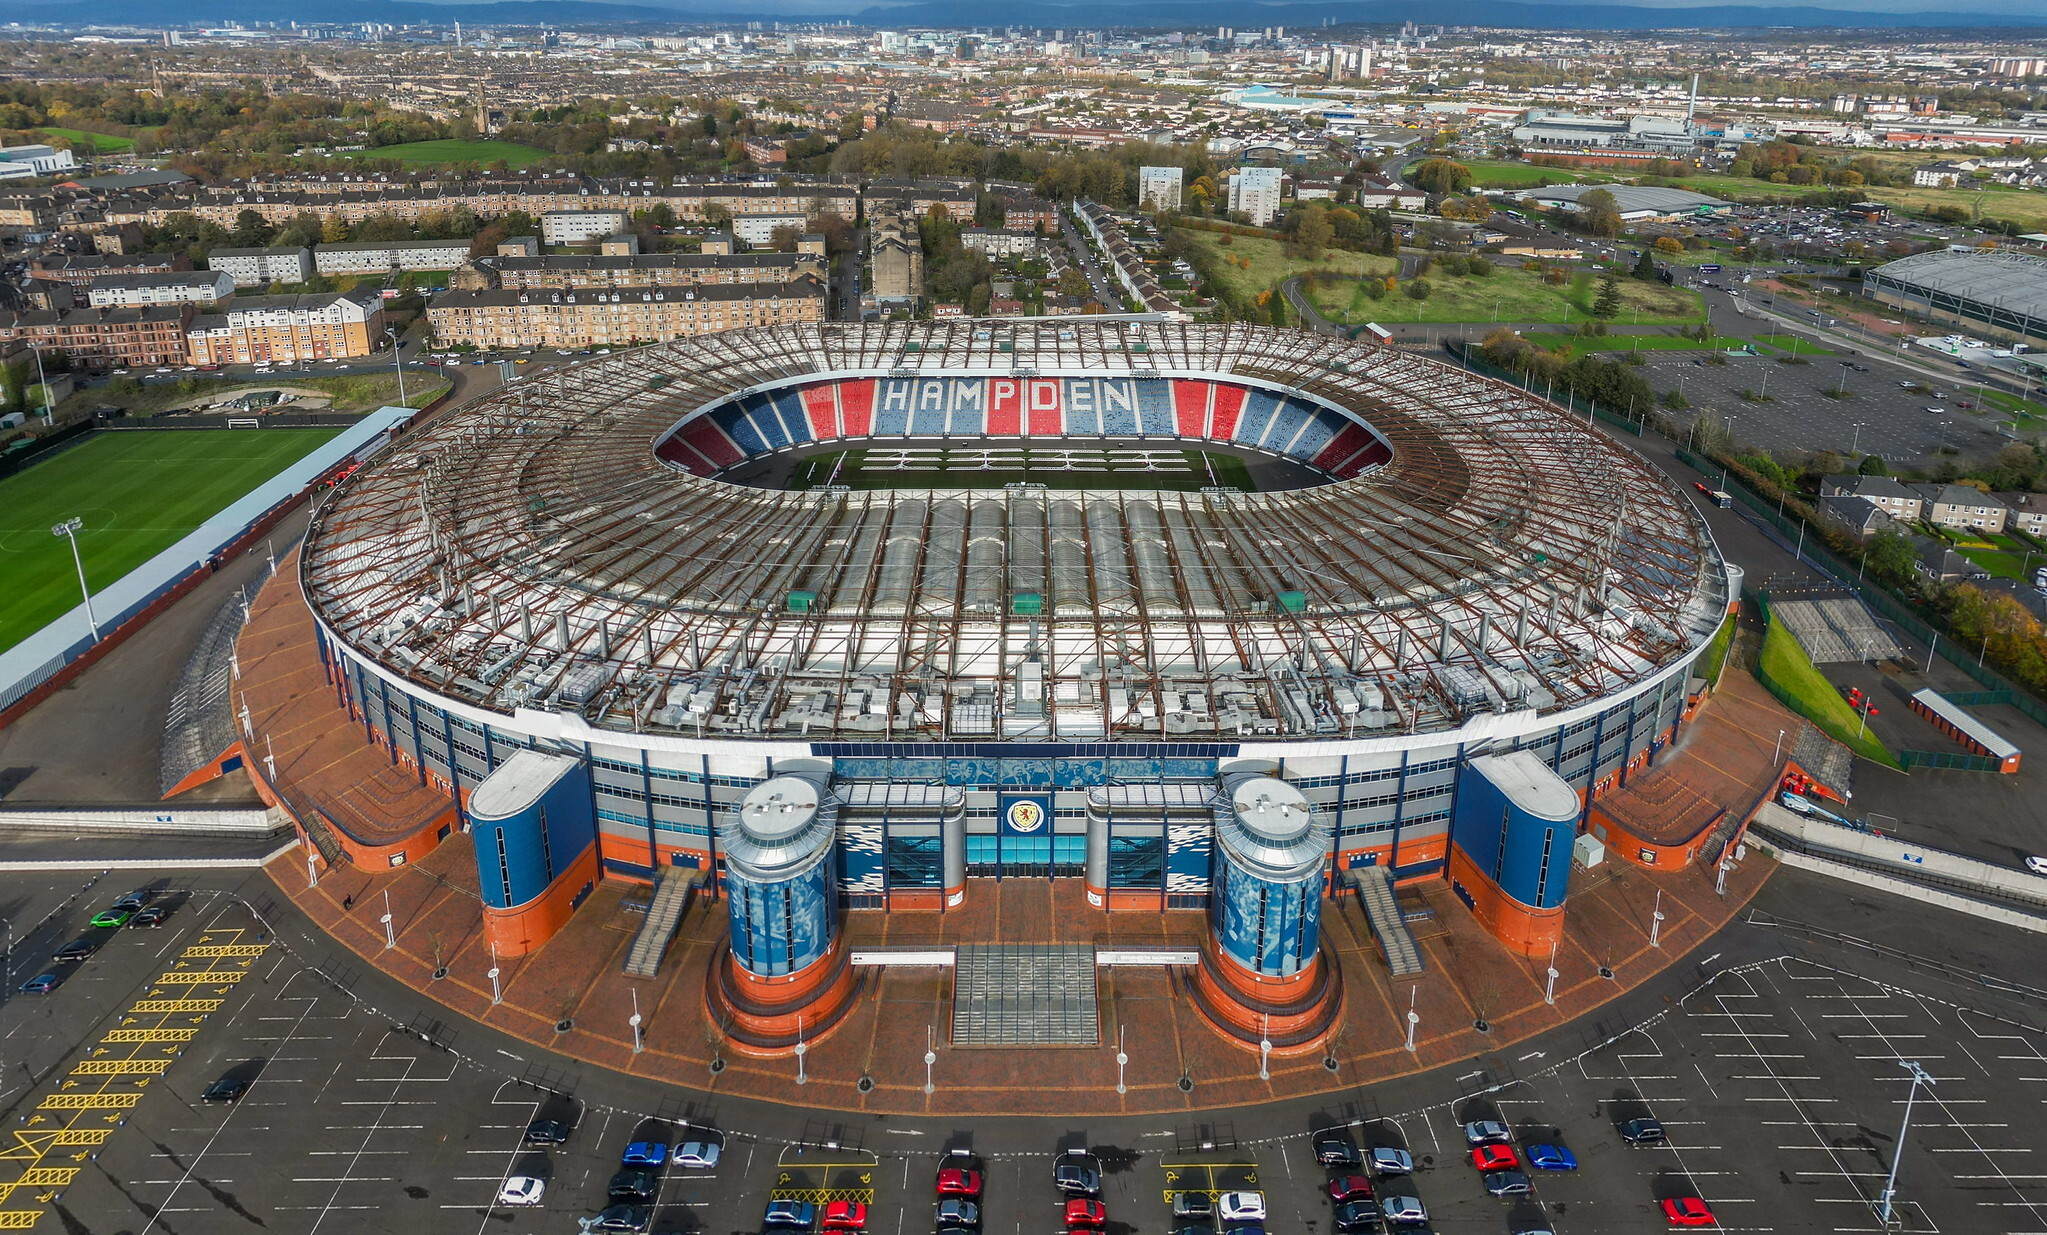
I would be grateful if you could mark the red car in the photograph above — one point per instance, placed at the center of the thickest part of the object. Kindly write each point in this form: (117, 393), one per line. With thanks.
(955, 1181)
(1494, 1158)
(1345, 1188)
(845, 1216)
(1687, 1211)
(1084, 1213)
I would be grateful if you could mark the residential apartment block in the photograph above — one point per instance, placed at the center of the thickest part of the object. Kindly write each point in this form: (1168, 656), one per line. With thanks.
(261, 267)
(1255, 191)
(121, 291)
(581, 226)
(104, 338)
(1959, 506)
(617, 316)
(1158, 188)
(641, 270)
(79, 269)
(288, 329)
(383, 256)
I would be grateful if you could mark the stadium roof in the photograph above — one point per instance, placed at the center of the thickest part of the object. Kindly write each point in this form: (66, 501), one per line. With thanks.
(532, 550)
(1630, 198)
(2012, 281)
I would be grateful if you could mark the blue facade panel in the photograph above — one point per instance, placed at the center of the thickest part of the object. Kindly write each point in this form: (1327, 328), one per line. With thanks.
(518, 856)
(1527, 856)
(780, 927)
(1155, 409)
(1269, 928)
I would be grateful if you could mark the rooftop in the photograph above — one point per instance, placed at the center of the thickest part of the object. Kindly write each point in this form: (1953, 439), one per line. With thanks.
(2013, 281)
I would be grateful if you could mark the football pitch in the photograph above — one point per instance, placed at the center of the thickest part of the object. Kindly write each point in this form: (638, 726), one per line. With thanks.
(1078, 467)
(138, 492)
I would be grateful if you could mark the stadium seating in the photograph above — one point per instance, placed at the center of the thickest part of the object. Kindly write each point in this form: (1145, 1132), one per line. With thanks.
(970, 407)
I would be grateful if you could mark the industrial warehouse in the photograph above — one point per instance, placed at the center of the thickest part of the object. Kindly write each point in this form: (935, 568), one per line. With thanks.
(1455, 617)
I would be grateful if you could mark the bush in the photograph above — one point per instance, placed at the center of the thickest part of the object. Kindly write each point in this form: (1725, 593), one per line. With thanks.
(1417, 289)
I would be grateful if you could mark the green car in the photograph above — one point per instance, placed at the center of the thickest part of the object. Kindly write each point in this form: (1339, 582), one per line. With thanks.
(113, 918)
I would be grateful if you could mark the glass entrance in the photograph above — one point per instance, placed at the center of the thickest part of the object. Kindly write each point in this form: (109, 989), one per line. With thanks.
(1041, 856)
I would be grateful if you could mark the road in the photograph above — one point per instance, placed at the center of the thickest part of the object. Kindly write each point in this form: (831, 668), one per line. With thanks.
(1084, 254)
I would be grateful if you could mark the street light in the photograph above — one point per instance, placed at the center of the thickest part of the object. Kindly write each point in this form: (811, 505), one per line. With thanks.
(1855, 446)
(397, 361)
(1919, 1077)
(69, 531)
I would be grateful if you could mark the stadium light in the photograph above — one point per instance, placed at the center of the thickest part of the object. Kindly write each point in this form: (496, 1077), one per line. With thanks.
(1919, 1077)
(69, 531)
(397, 361)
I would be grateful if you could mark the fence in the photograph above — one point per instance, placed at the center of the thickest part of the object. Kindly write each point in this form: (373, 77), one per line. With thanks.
(242, 420)
(22, 456)
(1886, 605)
(1942, 759)
(1467, 356)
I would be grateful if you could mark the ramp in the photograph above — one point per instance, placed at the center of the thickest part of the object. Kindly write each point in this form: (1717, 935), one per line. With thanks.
(1025, 994)
(1835, 628)
(664, 913)
(1374, 886)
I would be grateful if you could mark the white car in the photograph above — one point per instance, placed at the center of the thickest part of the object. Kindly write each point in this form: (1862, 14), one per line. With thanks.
(522, 1190)
(1235, 1207)
(1935, 410)
(2037, 865)
(700, 1154)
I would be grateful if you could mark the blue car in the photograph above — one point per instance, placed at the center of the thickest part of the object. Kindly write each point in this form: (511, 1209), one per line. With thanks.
(800, 1215)
(41, 984)
(645, 1153)
(1552, 1158)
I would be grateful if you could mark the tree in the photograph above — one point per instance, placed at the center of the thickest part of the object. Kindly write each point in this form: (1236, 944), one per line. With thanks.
(1418, 289)
(1889, 557)
(1072, 282)
(1669, 244)
(1599, 213)
(1645, 266)
(1607, 304)
(1312, 229)
(333, 230)
(1440, 177)
(1873, 465)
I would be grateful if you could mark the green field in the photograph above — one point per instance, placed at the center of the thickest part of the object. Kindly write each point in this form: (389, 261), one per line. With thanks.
(1575, 346)
(138, 492)
(453, 151)
(1078, 467)
(1789, 673)
(1795, 345)
(1270, 265)
(101, 142)
(1510, 295)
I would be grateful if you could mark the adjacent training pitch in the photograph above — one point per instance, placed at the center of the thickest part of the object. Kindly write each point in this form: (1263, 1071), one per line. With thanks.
(138, 492)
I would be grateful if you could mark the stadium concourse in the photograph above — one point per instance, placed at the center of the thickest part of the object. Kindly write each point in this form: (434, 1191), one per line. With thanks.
(1241, 721)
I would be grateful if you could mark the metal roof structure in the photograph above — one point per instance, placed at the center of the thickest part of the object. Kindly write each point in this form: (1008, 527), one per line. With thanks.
(530, 551)
(1630, 198)
(2014, 283)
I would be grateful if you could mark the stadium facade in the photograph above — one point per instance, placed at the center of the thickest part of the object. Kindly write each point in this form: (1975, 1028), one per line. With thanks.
(2001, 292)
(1420, 666)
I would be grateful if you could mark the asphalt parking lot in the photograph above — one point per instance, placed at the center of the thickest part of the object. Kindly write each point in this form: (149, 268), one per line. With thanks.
(1893, 421)
(1779, 1082)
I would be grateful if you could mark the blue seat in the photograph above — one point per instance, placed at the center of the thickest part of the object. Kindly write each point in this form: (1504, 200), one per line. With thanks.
(927, 421)
(760, 410)
(890, 419)
(1286, 422)
(789, 406)
(741, 430)
(1155, 407)
(1119, 421)
(1323, 426)
(1259, 407)
(968, 421)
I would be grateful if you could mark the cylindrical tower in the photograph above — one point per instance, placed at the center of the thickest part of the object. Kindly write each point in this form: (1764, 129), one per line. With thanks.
(786, 979)
(1263, 976)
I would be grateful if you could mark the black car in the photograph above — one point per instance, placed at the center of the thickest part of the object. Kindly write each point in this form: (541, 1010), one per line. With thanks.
(1642, 1132)
(152, 915)
(1337, 1153)
(547, 1132)
(1077, 1173)
(623, 1218)
(226, 1089)
(1357, 1216)
(633, 1187)
(78, 950)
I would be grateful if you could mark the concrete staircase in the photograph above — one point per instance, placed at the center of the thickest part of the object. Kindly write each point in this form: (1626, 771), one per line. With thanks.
(1374, 885)
(672, 891)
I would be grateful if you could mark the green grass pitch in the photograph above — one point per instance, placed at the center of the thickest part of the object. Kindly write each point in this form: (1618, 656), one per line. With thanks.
(138, 492)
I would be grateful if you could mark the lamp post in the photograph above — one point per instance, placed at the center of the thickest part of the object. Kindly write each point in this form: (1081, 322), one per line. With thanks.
(1656, 922)
(1549, 990)
(1778, 749)
(397, 361)
(1264, 1047)
(802, 1049)
(1919, 1077)
(639, 1042)
(931, 1057)
(496, 995)
(1842, 387)
(42, 380)
(1855, 444)
(1414, 1018)
(69, 530)
(1122, 1058)
(390, 932)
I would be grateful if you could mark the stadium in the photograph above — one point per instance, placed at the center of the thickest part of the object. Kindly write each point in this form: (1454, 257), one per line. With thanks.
(834, 618)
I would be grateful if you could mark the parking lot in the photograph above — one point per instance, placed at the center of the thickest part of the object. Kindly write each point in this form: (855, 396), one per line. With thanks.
(1799, 415)
(1779, 1084)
